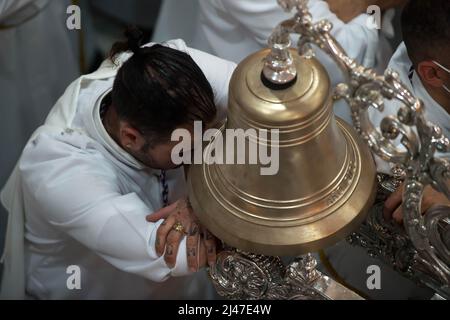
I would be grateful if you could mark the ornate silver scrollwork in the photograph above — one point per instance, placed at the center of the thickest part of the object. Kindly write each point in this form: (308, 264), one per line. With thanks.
(419, 138)
(420, 250)
(241, 275)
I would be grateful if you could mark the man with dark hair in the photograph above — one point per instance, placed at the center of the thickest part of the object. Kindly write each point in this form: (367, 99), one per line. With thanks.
(423, 63)
(88, 178)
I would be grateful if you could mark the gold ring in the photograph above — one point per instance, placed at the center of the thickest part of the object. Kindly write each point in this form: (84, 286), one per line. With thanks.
(178, 227)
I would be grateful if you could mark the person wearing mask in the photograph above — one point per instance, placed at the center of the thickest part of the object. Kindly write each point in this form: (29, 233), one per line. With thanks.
(423, 62)
(234, 29)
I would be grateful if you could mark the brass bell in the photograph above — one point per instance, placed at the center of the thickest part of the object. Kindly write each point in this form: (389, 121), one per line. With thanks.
(326, 180)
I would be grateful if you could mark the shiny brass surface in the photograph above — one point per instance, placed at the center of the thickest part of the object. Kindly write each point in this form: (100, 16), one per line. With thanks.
(326, 180)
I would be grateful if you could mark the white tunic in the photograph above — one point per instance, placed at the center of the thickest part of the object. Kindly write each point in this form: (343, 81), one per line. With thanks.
(85, 201)
(233, 29)
(401, 63)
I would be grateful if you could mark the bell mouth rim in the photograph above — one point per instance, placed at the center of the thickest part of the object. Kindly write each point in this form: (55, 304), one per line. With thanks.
(290, 239)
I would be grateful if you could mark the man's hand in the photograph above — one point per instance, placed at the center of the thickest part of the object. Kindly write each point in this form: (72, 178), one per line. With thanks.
(200, 244)
(347, 10)
(393, 205)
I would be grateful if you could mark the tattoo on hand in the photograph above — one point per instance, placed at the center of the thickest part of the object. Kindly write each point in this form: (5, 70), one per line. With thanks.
(191, 252)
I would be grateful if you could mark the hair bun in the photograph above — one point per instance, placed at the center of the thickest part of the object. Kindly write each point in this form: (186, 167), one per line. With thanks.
(135, 38)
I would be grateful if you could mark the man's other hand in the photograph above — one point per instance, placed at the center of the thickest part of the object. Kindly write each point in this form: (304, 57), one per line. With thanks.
(393, 206)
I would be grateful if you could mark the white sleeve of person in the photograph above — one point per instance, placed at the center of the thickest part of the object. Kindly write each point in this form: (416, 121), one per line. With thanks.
(16, 11)
(82, 199)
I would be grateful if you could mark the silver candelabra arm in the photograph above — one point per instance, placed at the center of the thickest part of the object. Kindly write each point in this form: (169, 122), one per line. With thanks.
(420, 140)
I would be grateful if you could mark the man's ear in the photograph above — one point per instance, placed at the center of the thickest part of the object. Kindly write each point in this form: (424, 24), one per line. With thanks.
(430, 74)
(130, 138)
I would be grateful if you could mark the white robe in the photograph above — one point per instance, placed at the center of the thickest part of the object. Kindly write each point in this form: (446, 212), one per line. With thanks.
(350, 262)
(234, 29)
(83, 200)
(37, 62)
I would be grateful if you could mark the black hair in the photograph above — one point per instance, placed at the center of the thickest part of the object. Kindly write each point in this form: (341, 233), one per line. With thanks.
(426, 28)
(159, 89)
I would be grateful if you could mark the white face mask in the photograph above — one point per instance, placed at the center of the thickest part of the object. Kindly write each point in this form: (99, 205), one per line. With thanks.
(445, 69)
